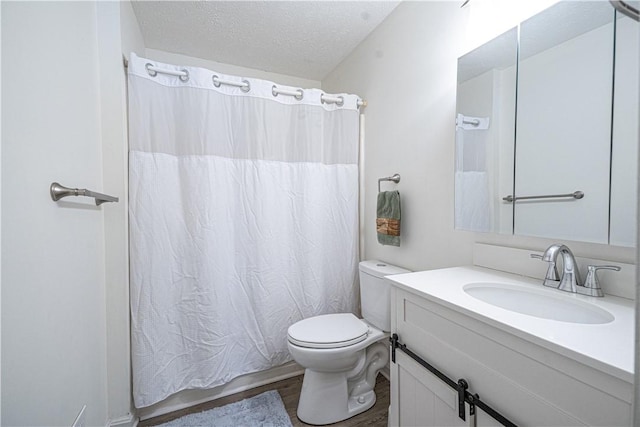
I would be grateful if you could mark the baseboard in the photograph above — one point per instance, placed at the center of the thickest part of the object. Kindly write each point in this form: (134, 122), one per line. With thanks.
(126, 421)
(187, 398)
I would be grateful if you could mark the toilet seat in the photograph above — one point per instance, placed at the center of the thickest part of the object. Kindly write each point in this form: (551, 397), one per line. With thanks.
(328, 331)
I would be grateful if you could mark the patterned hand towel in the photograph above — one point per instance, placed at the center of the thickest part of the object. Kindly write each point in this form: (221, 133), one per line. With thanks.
(388, 218)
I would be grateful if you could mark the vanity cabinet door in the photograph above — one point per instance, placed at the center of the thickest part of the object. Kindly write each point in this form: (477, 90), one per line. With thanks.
(485, 420)
(422, 398)
(528, 384)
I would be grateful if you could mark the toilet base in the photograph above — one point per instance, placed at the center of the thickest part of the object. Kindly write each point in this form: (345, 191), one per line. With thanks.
(324, 399)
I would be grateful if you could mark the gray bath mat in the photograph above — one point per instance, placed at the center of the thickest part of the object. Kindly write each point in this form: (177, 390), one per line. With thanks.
(265, 410)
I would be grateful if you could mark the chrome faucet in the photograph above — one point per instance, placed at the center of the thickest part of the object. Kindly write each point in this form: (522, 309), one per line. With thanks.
(570, 280)
(570, 276)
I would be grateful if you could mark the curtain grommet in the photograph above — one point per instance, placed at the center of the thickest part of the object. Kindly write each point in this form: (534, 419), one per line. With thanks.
(151, 72)
(185, 77)
(216, 83)
(339, 102)
(247, 86)
(298, 95)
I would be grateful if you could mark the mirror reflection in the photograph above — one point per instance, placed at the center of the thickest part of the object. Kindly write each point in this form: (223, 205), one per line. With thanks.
(624, 156)
(563, 140)
(485, 129)
(575, 124)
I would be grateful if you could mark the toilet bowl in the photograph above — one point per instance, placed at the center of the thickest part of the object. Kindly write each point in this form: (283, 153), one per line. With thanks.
(342, 354)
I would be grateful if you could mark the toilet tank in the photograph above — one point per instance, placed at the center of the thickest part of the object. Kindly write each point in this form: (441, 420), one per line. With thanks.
(375, 292)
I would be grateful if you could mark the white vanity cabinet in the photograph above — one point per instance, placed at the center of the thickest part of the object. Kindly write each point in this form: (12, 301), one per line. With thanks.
(419, 398)
(523, 377)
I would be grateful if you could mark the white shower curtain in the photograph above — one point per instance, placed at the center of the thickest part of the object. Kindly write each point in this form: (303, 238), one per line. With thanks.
(243, 220)
(472, 189)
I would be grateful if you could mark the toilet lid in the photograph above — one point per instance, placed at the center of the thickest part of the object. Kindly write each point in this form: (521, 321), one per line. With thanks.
(328, 331)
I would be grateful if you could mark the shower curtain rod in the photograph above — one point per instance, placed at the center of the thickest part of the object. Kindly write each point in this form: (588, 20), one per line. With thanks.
(244, 85)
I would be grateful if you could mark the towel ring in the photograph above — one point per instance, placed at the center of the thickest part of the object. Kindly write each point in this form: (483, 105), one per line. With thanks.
(395, 178)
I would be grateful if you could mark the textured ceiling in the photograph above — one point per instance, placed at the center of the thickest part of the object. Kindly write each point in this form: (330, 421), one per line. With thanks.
(298, 38)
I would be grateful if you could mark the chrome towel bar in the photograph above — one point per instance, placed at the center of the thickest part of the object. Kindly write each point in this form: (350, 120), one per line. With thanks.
(575, 195)
(58, 191)
(395, 178)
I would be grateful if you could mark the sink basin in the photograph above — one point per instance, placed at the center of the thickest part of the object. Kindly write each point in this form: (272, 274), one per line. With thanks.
(543, 304)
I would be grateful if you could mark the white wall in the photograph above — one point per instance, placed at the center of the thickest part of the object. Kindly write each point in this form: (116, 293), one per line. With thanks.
(53, 276)
(131, 36)
(406, 69)
(116, 32)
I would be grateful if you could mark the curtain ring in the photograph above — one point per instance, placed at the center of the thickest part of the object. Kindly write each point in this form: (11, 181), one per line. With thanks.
(339, 103)
(246, 88)
(300, 95)
(215, 82)
(184, 78)
(151, 72)
(273, 91)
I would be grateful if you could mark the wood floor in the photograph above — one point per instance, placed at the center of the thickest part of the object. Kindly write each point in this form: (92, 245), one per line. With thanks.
(289, 392)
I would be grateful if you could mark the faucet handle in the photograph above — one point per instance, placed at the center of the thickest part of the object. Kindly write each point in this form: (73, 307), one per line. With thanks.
(552, 278)
(592, 284)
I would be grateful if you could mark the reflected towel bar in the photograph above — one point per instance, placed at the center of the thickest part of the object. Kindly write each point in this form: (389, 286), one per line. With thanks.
(58, 191)
(395, 178)
(461, 119)
(575, 195)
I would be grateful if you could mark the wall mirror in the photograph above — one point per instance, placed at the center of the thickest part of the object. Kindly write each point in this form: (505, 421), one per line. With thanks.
(575, 123)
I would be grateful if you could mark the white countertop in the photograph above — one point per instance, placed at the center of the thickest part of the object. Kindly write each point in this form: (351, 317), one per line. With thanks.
(608, 347)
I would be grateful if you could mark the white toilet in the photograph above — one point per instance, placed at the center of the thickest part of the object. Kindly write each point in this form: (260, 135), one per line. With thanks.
(342, 354)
